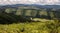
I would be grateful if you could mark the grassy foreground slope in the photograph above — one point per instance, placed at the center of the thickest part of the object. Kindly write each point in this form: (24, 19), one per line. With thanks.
(32, 27)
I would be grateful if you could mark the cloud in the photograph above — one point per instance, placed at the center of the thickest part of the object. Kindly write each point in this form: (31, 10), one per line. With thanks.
(43, 2)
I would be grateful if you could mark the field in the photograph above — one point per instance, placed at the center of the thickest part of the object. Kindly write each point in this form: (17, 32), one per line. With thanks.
(32, 27)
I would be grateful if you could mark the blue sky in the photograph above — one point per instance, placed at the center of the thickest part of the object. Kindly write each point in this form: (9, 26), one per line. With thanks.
(41, 2)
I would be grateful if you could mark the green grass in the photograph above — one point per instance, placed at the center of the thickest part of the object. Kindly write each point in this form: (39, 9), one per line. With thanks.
(33, 27)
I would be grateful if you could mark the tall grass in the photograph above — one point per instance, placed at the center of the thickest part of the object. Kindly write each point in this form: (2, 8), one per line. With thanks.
(33, 27)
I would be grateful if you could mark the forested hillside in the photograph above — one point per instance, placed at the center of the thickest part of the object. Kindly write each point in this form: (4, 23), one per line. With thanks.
(29, 19)
(25, 13)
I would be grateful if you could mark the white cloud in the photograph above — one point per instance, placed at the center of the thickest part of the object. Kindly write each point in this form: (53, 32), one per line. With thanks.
(48, 2)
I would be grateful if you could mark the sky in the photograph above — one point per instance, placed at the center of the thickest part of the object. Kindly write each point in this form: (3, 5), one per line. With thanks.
(40, 2)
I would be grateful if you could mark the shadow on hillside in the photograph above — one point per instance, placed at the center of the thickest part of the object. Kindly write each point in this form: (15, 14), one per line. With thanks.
(11, 18)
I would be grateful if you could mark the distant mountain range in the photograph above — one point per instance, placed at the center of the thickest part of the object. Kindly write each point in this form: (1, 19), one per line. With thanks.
(32, 5)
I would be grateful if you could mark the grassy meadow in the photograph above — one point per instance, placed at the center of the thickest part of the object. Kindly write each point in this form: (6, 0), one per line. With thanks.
(32, 27)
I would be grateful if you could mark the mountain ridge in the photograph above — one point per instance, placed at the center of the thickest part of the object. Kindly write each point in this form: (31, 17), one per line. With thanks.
(35, 5)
